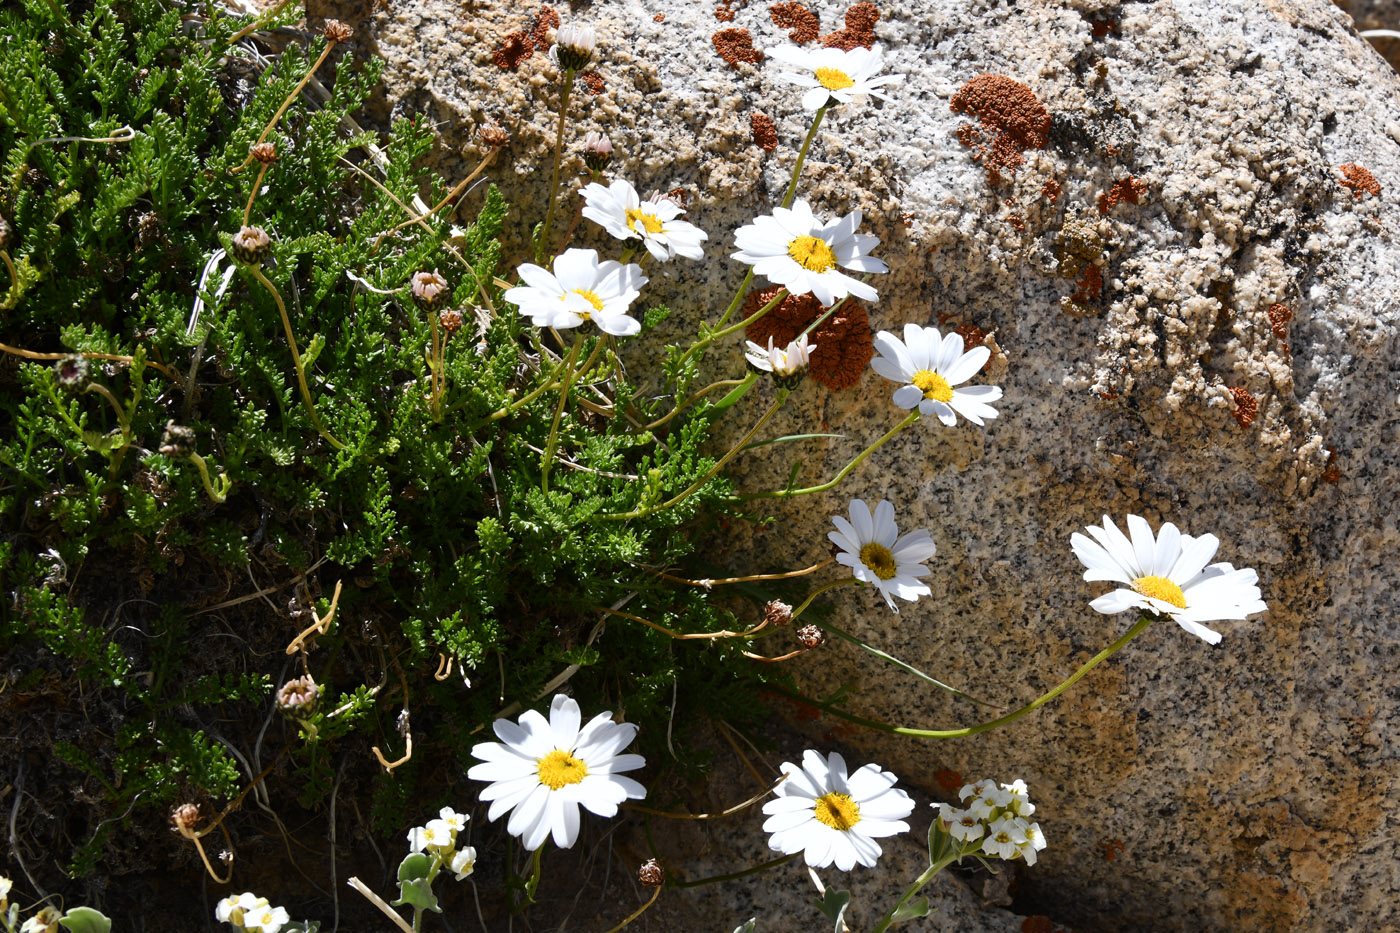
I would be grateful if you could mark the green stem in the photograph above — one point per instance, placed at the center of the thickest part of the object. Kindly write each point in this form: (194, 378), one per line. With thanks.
(734, 876)
(739, 297)
(536, 872)
(914, 889)
(296, 358)
(106, 393)
(710, 338)
(709, 474)
(558, 155)
(721, 384)
(503, 412)
(845, 471)
(828, 313)
(568, 366)
(802, 157)
(844, 581)
(1089, 665)
(217, 496)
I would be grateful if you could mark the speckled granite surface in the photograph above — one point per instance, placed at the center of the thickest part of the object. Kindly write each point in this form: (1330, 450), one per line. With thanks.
(1182, 787)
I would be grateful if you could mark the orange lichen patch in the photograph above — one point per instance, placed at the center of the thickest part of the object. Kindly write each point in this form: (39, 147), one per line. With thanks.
(1009, 113)
(796, 17)
(1246, 408)
(725, 10)
(860, 29)
(764, 133)
(1279, 316)
(1129, 189)
(1332, 474)
(545, 20)
(843, 342)
(1099, 28)
(514, 49)
(1112, 848)
(972, 335)
(1089, 286)
(659, 18)
(1360, 180)
(1017, 222)
(949, 781)
(735, 46)
(1108, 395)
(594, 81)
(1050, 190)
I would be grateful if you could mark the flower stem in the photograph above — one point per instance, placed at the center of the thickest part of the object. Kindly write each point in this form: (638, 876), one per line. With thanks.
(914, 889)
(734, 876)
(330, 44)
(802, 157)
(722, 384)
(844, 581)
(656, 892)
(296, 358)
(568, 366)
(709, 474)
(252, 195)
(456, 190)
(845, 471)
(739, 297)
(558, 156)
(1074, 678)
(224, 482)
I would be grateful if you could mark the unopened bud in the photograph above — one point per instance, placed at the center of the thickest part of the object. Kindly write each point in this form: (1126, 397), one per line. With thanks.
(298, 696)
(451, 321)
(176, 441)
(493, 135)
(597, 152)
(266, 153)
(4, 233)
(651, 873)
(428, 289)
(811, 637)
(574, 46)
(71, 372)
(251, 245)
(777, 613)
(185, 816)
(336, 31)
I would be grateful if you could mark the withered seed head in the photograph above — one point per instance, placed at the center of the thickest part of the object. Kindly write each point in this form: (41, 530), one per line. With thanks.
(184, 816)
(71, 372)
(176, 441)
(493, 135)
(777, 613)
(266, 153)
(298, 696)
(451, 320)
(651, 873)
(336, 31)
(251, 245)
(811, 637)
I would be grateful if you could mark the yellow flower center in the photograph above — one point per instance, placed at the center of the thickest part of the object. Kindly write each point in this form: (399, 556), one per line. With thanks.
(1161, 588)
(560, 769)
(834, 79)
(649, 222)
(593, 299)
(879, 559)
(812, 253)
(838, 811)
(933, 385)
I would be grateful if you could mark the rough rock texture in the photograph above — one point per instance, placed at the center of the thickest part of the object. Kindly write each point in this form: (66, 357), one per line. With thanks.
(1377, 14)
(1182, 787)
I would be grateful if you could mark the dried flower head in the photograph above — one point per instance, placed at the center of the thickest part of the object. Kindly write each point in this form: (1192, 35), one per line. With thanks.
(184, 816)
(5, 230)
(336, 31)
(810, 636)
(573, 47)
(428, 289)
(651, 873)
(597, 151)
(298, 695)
(451, 321)
(71, 372)
(266, 153)
(176, 441)
(777, 613)
(493, 135)
(251, 245)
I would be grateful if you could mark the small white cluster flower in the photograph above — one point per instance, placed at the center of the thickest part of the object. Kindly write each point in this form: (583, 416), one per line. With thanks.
(997, 815)
(247, 911)
(45, 921)
(438, 838)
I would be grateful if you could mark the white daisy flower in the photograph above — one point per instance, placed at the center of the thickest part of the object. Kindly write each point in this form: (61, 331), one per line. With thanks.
(930, 365)
(1168, 574)
(580, 289)
(795, 249)
(872, 547)
(463, 862)
(1005, 837)
(835, 76)
(962, 824)
(620, 211)
(832, 817)
(545, 769)
(788, 365)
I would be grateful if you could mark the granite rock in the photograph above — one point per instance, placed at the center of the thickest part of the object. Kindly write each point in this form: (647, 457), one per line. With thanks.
(1236, 374)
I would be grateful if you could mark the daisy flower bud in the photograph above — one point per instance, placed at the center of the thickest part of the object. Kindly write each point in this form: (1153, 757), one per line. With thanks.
(265, 153)
(336, 31)
(251, 245)
(176, 441)
(71, 372)
(573, 47)
(298, 696)
(428, 289)
(787, 365)
(597, 151)
(651, 873)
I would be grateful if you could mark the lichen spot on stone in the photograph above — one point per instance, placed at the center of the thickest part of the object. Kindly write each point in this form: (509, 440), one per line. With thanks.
(838, 811)
(649, 222)
(834, 79)
(560, 769)
(812, 253)
(1161, 588)
(879, 559)
(933, 385)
